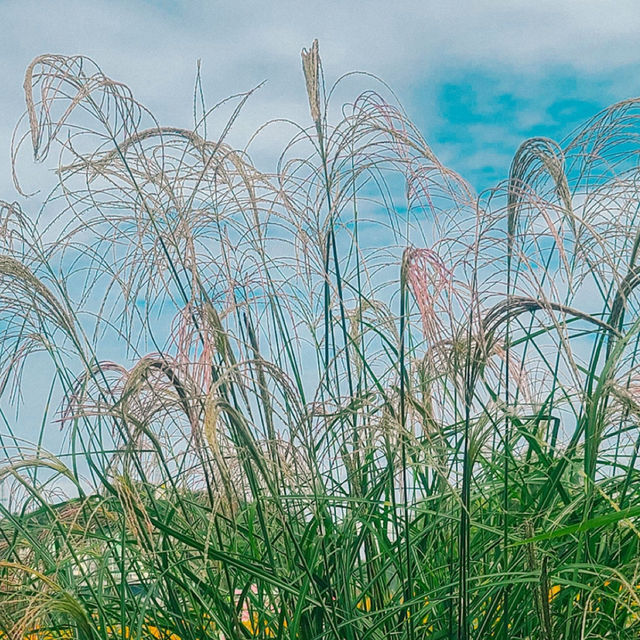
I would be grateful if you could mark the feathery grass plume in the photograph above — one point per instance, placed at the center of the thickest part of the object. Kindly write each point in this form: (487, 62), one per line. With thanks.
(311, 68)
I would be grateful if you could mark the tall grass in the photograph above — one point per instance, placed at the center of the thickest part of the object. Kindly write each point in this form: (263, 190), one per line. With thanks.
(346, 399)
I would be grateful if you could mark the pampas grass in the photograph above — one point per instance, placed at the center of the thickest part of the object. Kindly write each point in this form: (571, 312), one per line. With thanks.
(345, 399)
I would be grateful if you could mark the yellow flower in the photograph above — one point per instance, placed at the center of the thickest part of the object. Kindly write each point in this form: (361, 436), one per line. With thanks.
(161, 634)
(553, 592)
(252, 625)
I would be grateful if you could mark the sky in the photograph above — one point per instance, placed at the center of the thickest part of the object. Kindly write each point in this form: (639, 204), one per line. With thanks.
(476, 77)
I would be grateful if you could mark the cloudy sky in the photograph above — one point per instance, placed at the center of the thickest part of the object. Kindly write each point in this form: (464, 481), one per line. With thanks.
(477, 77)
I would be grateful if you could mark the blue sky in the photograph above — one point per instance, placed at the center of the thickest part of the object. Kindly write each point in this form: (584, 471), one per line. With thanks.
(476, 77)
(482, 116)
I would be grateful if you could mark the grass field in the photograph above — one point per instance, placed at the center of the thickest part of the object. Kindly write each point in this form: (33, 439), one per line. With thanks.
(348, 398)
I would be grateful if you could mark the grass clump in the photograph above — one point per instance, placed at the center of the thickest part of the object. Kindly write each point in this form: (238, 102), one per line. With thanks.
(346, 399)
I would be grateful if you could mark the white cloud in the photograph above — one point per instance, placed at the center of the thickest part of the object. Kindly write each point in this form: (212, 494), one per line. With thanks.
(153, 47)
